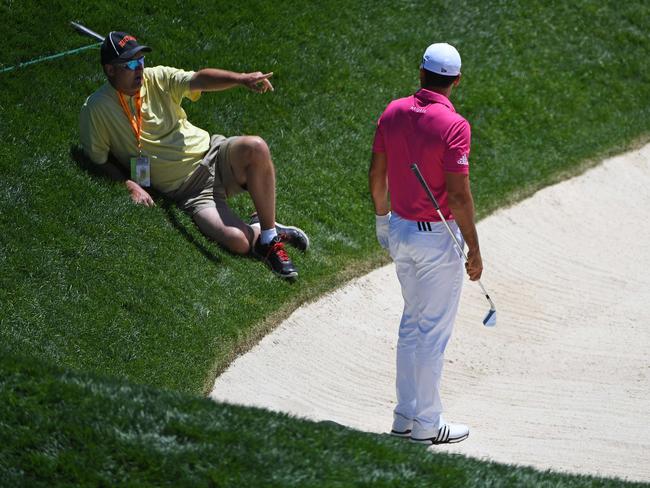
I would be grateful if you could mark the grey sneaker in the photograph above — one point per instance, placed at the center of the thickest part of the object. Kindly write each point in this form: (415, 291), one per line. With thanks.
(293, 236)
(274, 255)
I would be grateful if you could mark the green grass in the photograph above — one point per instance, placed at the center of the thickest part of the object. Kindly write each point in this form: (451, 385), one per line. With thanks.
(107, 432)
(95, 283)
(90, 282)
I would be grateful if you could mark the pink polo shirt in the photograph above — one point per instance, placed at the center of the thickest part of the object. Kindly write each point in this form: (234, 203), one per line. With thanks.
(424, 129)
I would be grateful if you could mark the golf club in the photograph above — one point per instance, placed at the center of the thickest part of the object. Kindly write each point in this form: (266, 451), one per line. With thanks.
(490, 319)
(85, 31)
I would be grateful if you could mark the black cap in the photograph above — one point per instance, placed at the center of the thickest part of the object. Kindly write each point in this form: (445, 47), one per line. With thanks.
(119, 47)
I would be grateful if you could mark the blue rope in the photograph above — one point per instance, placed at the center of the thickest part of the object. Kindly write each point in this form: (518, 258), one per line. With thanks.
(47, 58)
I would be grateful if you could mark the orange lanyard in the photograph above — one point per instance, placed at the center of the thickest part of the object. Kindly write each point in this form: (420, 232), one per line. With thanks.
(134, 119)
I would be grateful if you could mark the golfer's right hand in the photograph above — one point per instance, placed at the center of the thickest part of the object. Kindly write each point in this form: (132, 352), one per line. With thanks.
(139, 194)
(474, 265)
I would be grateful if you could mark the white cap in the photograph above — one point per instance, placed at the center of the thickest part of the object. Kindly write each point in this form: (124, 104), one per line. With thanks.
(441, 58)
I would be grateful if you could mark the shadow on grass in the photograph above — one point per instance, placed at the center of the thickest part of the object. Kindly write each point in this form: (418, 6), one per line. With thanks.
(168, 205)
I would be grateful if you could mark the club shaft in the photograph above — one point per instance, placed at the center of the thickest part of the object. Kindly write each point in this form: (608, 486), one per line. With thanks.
(429, 193)
(86, 31)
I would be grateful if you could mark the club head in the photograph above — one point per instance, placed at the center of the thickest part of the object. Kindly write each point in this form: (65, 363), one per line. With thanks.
(490, 319)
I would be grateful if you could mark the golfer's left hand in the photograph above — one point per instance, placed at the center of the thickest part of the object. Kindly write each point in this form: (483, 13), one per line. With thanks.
(382, 229)
(257, 82)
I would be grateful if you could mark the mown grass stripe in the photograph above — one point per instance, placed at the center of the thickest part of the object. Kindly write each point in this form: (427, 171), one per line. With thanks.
(62, 428)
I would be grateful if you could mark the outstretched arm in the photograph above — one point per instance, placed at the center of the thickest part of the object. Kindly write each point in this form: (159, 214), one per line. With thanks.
(212, 79)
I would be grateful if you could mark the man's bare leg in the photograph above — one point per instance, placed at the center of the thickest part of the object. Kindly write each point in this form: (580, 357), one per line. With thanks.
(252, 167)
(222, 225)
(250, 161)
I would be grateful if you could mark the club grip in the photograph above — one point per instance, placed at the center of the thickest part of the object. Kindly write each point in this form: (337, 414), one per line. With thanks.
(86, 31)
(416, 170)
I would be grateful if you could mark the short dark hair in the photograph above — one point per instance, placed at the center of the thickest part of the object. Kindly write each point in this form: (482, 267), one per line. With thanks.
(434, 80)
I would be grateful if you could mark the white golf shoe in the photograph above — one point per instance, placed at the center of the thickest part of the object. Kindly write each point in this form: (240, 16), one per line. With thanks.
(401, 426)
(447, 434)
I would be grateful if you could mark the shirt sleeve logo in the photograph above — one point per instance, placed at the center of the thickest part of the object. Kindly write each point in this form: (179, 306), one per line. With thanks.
(463, 161)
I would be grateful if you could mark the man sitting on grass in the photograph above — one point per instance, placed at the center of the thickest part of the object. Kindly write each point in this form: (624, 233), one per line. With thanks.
(137, 119)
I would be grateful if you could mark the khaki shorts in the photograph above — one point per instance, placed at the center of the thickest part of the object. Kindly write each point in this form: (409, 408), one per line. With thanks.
(213, 180)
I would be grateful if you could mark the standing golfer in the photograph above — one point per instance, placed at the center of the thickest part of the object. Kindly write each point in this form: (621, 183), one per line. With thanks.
(137, 119)
(425, 129)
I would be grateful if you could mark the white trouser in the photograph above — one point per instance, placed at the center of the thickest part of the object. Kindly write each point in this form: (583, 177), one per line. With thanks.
(430, 271)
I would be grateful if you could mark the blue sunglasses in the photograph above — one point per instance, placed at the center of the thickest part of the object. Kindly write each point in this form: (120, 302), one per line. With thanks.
(133, 64)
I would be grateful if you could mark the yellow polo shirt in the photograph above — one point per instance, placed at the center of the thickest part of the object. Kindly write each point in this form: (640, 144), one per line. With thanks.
(174, 146)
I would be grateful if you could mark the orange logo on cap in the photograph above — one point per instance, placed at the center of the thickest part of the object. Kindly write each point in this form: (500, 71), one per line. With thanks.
(126, 39)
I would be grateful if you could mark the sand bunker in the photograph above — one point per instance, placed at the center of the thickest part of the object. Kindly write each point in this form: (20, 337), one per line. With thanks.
(562, 382)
